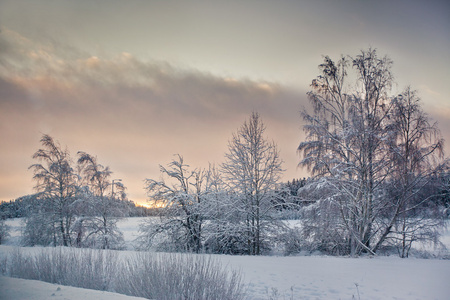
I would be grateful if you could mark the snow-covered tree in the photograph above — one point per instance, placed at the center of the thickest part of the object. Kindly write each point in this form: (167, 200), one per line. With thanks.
(100, 207)
(18, 208)
(56, 183)
(224, 232)
(349, 144)
(417, 155)
(346, 139)
(4, 229)
(252, 171)
(180, 199)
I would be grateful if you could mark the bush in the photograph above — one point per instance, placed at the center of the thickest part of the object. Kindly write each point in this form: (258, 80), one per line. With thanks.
(150, 275)
(291, 241)
(89, 269)
(178, 276)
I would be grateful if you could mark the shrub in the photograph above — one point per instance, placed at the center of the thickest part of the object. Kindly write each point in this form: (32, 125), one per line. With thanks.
(150, 275)
(85, 268)
(178, 276)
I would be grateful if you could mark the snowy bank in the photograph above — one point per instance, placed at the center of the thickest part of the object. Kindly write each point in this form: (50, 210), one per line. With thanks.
(21, 289)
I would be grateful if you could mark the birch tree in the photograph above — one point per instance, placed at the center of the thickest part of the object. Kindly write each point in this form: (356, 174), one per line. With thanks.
(56, 183)
(100, 206)
(417, 153)
(349, 143)
(346, 139)
(252, 171)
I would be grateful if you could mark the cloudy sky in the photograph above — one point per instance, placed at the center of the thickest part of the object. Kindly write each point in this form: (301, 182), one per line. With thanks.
(135, 82)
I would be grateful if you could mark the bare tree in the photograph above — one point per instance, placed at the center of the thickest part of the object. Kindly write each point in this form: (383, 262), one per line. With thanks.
(56, 183)
(252, 171)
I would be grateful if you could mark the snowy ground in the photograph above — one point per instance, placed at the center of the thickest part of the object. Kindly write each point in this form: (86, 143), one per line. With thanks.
(295, 277)
(18, 289)
(318, 277)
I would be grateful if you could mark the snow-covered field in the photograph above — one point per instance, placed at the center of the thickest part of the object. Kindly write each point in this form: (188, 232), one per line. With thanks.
(21, 289)
(276, 277)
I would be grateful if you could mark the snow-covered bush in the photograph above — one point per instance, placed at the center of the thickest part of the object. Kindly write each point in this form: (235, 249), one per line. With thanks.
(99, 233)
(322, 230)
(322, 226)
(178, 276)
(226, 238)
(290, 240)
(162, 235)
(155, 276)
(85, 268)
(39, 230)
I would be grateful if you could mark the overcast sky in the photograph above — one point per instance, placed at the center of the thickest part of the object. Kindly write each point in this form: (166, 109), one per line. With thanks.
(135, 82)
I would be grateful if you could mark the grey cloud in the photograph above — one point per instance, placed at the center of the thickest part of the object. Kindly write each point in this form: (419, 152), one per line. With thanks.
(134, 115)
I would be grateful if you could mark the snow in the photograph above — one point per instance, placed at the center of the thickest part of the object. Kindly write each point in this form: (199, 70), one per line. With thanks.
(18, 289)
(321, 277)
(277, 277)
(130, 230)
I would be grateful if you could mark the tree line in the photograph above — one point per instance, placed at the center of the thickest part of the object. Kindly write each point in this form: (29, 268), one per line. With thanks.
(74, 204)
(379, 181)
